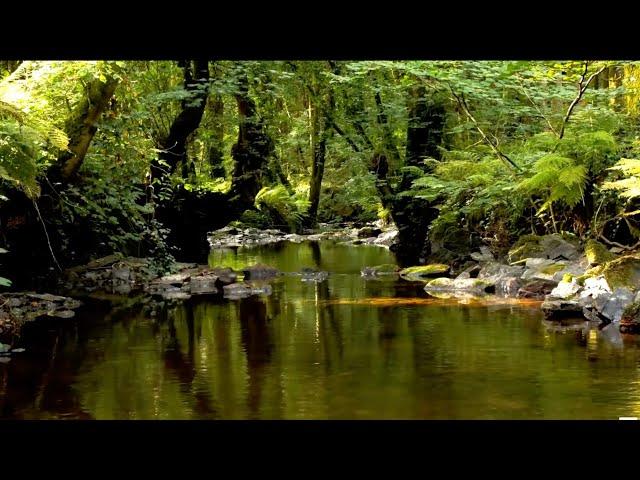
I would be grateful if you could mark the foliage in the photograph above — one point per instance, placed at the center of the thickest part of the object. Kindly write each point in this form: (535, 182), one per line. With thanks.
(285, 206)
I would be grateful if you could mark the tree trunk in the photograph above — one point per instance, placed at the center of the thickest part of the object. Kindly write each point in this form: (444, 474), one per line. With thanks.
(321, 131)
(81, 128)
(251, 152)
(174, 147)
(413, 216)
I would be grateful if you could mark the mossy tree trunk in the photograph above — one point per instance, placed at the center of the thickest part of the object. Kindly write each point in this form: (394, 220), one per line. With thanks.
(81, 127)
(251, 152)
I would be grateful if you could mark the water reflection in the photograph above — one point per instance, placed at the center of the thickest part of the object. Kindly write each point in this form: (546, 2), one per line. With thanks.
(343, 348)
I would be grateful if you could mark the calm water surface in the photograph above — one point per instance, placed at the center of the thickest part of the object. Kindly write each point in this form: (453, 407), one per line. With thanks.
(346, 348)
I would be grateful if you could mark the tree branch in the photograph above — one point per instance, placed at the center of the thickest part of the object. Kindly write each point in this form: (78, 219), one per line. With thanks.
(463, 104)
(582, 87)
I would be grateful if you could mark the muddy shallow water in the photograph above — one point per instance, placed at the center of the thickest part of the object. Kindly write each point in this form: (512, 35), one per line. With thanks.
(346, 348)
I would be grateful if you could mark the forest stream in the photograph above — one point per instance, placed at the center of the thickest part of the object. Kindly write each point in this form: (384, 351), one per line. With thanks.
(347, 347)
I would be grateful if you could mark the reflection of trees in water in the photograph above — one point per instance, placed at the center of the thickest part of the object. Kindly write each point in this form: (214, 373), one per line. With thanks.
(41, 380)
(257, 344)
(183, 366)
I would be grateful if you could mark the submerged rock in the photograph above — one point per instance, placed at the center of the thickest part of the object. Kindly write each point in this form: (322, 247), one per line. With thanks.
(259, 271)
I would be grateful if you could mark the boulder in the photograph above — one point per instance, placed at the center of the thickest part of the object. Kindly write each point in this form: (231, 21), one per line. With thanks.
(620, 272)
(495, 270)
(553, 247)
(616, 303)
(203, 284)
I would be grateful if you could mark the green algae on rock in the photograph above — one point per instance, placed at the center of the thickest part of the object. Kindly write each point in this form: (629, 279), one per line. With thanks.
(422, 272)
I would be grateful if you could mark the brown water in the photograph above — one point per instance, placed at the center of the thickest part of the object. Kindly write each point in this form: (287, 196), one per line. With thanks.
(343, 349)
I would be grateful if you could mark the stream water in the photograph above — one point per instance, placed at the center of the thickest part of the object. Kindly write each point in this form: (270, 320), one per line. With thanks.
(346, 348)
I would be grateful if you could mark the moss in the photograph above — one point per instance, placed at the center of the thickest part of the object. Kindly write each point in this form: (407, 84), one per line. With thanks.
(621, 272)
(440, 283)
(526, 246)
(425, 271)
(568, 278)
(597, 253)
(554, 268)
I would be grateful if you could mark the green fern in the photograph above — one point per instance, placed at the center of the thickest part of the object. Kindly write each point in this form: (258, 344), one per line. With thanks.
(557, 179)
(277, 199)
(628, 187)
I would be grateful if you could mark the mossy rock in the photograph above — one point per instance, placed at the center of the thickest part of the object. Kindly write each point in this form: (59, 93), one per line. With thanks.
(621, 272)
(553, 246)
(527, 246)
(597, 253)
(472, 285)
(440, 283)
(385, 268)
(424, 271)
(554, 268)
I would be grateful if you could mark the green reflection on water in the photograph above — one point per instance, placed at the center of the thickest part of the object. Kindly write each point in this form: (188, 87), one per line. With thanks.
(299, 353)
